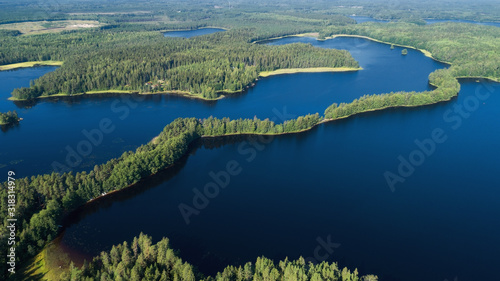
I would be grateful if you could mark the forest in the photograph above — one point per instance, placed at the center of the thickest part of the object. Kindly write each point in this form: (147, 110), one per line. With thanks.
(8, 117)
(143, 260)
(205, 66)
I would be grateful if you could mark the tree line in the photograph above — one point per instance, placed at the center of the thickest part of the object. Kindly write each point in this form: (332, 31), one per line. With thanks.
(143, 260)
(204, 66)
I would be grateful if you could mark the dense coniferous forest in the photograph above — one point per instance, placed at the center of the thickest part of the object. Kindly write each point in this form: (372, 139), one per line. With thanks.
(143, 260)
(200, 66)
(129, 52)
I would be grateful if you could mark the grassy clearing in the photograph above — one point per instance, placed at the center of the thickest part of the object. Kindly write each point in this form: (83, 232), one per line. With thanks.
(307, 70)
(49, 264)
(29, 64)
(38, 27)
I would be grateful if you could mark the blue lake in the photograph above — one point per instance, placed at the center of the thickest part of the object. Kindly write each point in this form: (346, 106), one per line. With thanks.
(192, 33)
(295, 191)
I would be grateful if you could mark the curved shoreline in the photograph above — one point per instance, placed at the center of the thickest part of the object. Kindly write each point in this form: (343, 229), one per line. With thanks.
(315, 35)
(30, 64)
(307, 70)
(127, 92)
(309, 34)
(205, 27)
(425, 52)
(491, 79)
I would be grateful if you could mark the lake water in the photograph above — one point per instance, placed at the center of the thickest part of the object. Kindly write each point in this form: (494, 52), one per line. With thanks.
(294, 192)
(192, 33)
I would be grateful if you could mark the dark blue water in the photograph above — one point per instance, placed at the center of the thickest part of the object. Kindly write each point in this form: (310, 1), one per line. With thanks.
(294, 192)
(52, 130)
(192, 33)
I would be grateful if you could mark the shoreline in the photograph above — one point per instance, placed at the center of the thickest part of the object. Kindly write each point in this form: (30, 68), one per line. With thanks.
(128, 92)
(205, 27)
(316, 34)
(30, 64)
(307, 70)
(491, 79)
(308, 34)
(425, 52)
